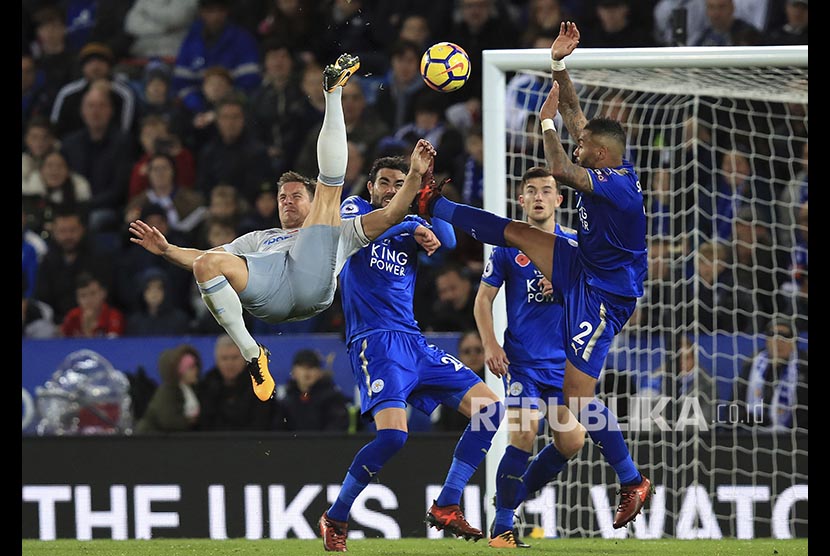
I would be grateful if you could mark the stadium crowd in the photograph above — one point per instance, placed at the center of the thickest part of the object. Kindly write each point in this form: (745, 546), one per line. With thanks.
(184, 114)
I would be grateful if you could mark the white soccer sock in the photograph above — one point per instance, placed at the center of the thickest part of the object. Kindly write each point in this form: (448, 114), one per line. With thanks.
(332, 151)
(223, 303)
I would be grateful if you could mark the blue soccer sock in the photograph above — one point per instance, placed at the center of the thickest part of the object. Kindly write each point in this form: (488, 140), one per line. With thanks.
(366, 464)
(484, 226)
(543, 468)
(469, 452)
(610, 440)
(509, 487)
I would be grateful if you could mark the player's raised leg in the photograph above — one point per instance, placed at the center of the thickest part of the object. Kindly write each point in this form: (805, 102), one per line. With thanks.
(487, 227)
(332, 147)
(219, 276)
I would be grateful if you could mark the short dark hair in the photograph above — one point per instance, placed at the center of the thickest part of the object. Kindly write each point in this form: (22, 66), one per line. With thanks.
(291, 175)
(535, 172)
(393, 162)
(307, 358)
(607, 127)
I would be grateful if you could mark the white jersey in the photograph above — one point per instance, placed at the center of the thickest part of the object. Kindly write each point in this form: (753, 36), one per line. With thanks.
(275, 240)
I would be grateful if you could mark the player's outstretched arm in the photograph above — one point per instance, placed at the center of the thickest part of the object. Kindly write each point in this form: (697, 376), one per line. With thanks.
(380, 220)
(494, 355)
(150, 238)
(562, 46)
(558, 161)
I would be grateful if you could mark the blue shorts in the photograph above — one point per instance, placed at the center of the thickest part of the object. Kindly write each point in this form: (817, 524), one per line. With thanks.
(592, 316)
(395, 368)
(526, 387)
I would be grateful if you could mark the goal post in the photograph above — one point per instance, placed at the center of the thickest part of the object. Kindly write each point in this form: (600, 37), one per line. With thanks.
(747, 97)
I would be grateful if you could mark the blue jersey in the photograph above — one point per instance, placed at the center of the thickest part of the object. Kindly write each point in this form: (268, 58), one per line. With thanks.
(612, 231)
(377, 283)
(533, 337)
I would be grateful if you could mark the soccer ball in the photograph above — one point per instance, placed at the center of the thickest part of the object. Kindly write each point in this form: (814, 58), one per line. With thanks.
(445, 67)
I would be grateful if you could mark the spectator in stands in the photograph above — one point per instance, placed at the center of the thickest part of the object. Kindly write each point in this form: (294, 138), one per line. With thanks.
(34, 98)
(93, 317)
(38, 317)
(53, 187)
(356, 177)
(213, 40)
(657, 306)
(156, 99)
(483, 24)
(38, 140)
(273, 104)
(429, 123)
(71, 252)
(709, 302)
(234, 156)
(696, 21)
(158, 27)
(216, 85)
(132, 260)
(311, 399)
(415, 28)
(291, 22)
(453, 309)
(185, 207)
(29, 266)
(31, 237)
(346, 26)
(104, 155)
(619, 27)
(174, 406)
(794, 289)
(227, 206)
(394, 100)
(50, 52)
(724, 29)
(363, 127)
(470, 351)
(100, 21)
(158, 315)
(264, 214)
(794, 31)
(468, 173)
(772, 389)
(227, 401)
(543, 17)
(155, 137)
(685, 382)
(96, 61)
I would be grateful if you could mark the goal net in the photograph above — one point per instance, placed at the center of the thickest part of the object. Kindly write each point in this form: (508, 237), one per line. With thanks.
(719, 139)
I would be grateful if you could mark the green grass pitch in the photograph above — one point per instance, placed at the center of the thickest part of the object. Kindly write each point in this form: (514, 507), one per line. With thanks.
(416, 547)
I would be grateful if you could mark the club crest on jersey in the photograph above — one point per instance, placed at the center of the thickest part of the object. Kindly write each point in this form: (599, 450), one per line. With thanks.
(522, 260)
(515, 388)
(349, 208)
(377, 385)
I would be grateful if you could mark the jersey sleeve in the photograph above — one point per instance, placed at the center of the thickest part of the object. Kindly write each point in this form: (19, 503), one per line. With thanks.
(616, 188)
(243, 244)
(352, 239)
(493, 274)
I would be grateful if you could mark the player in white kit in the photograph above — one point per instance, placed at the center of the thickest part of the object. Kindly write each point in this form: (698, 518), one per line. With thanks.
(290, 273)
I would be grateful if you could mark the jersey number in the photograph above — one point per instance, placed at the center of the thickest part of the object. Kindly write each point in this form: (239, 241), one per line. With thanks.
(452, 361)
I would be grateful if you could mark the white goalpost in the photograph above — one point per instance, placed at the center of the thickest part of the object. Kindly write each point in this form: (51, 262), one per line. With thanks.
(718, 136)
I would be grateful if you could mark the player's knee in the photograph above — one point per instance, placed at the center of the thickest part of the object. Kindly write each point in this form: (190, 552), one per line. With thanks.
(569, 444)
(204, 265)
(392, 440)
(523, 439)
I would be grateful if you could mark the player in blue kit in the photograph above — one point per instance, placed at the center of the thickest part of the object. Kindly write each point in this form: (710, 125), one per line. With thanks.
(532, 361)
(600, 276)
(289, 273)
(394, 365)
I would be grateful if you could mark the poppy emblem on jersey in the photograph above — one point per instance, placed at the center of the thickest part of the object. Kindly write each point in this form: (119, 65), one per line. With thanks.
(377, 385)
(515, 388)
(522, 260)
(351, 208)
(600, 175)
